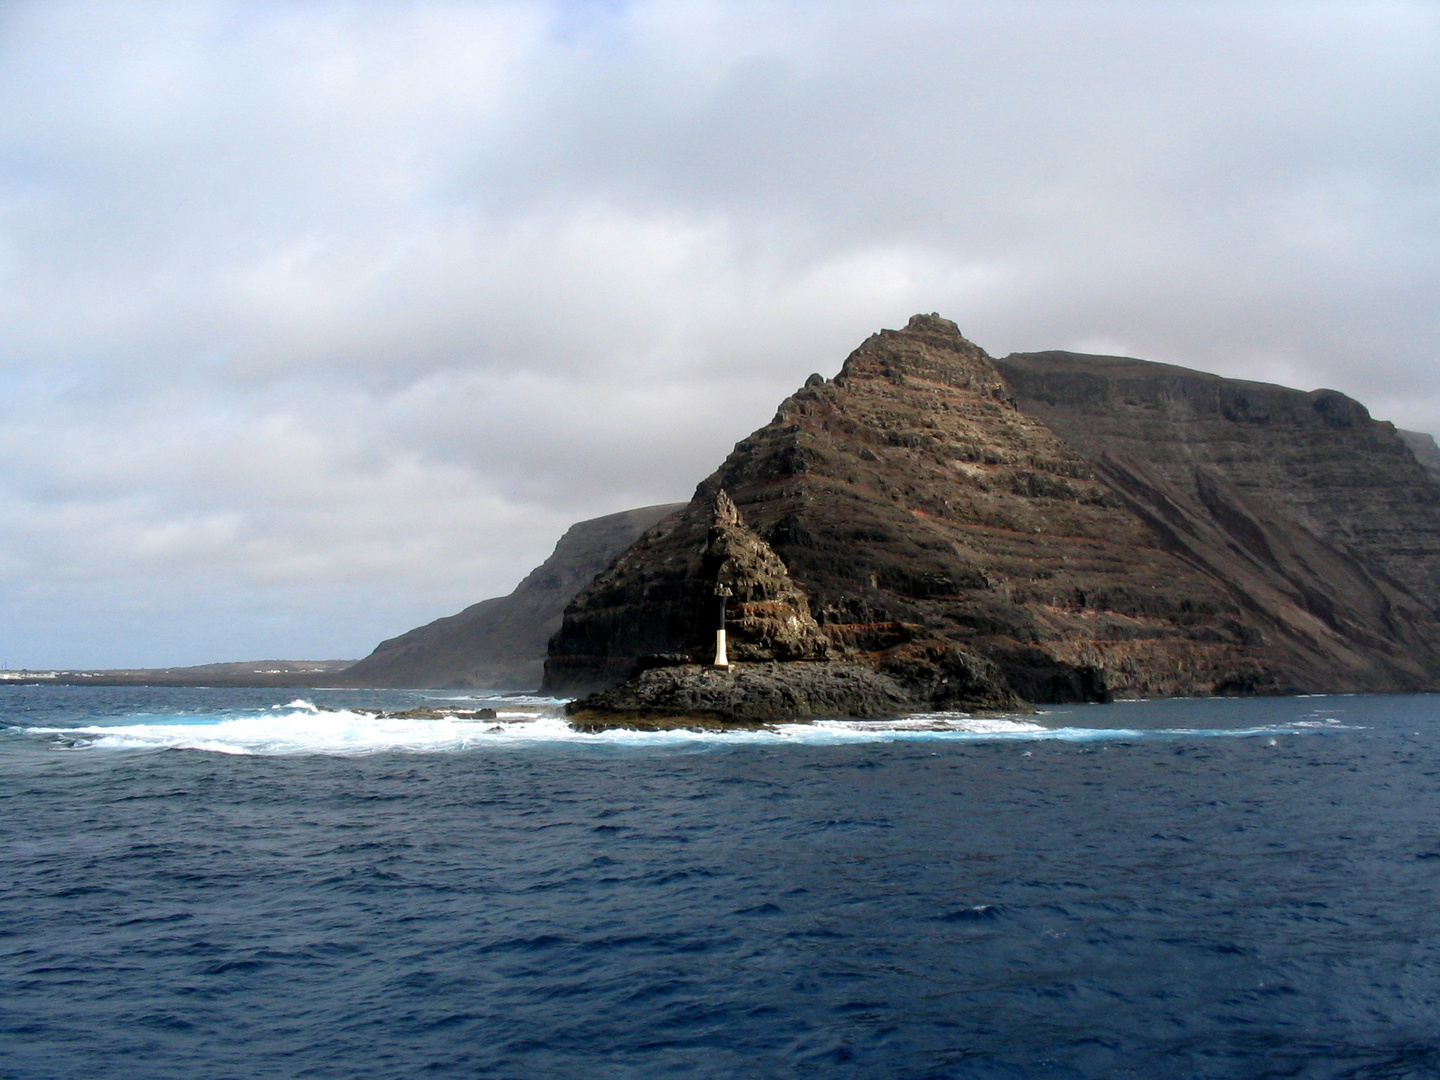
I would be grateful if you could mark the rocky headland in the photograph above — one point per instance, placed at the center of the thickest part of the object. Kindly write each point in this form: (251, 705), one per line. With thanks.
(499, 644)
(933, 528)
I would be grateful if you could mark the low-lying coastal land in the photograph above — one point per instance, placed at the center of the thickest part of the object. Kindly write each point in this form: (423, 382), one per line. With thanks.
(296, 673)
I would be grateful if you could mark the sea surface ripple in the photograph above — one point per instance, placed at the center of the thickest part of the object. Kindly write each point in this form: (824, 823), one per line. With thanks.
(245, 883)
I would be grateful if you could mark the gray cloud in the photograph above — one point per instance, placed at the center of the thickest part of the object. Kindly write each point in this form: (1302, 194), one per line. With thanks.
(318, 320)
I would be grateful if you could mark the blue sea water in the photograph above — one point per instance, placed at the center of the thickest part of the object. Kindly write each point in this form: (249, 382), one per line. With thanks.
(235, 883)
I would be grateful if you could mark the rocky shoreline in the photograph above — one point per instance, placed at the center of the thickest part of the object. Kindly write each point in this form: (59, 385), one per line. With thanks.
(749, 695)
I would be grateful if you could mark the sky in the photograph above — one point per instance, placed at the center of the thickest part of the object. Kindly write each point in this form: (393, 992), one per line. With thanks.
(322, 320)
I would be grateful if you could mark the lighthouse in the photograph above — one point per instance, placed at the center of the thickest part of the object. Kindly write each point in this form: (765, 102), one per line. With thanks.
(721, 595)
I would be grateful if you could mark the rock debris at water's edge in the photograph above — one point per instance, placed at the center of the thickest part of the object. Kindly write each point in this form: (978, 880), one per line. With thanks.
(749, 695)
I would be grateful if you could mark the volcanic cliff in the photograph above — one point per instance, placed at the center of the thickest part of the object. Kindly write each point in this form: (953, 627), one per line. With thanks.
(1426, 452)
(499, 643)
(974, 530)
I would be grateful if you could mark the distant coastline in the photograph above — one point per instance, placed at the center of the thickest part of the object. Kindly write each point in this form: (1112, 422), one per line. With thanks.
(258, 673)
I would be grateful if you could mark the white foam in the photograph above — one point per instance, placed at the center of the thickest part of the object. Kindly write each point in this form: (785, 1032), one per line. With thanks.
(298, 731)
(934, 723)
(507, 698)
(300, 727)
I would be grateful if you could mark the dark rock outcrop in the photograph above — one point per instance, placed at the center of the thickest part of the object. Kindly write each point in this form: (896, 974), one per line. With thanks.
(750, 694)
(1058, 527)
(742, 695)
(500, 643)
(676, 567)
(769, 616)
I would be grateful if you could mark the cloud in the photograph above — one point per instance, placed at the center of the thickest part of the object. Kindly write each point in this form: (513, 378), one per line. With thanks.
(320, 320)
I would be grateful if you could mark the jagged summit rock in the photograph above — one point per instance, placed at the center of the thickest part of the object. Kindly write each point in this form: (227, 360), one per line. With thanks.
(674, 569)
(930, 348)
(769, 616)
(936, 525)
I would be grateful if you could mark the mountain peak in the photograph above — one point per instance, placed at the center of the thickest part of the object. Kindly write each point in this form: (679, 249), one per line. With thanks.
(930, 349)
(934, 323)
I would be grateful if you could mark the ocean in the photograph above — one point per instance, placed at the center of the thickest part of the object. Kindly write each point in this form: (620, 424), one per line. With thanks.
(212, 883)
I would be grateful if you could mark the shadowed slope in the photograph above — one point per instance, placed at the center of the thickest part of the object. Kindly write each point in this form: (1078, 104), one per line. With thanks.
(500, 643)
(1425, 451)
(1316, 459)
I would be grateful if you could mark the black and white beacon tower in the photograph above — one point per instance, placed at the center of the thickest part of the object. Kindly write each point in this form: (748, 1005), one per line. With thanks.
(722, 594)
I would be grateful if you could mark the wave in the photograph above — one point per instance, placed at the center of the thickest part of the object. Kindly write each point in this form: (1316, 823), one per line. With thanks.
(301, 727)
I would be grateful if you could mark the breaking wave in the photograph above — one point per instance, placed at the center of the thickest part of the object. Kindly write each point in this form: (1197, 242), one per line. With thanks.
(302, 727)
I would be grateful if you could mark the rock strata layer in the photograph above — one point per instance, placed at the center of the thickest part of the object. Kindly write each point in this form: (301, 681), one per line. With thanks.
(1228, 450)
(1042, 533)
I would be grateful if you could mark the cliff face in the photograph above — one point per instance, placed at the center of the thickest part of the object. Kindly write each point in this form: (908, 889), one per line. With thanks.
(937, 511)
(500, 643)
(1425, 451)
(1316, 460)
